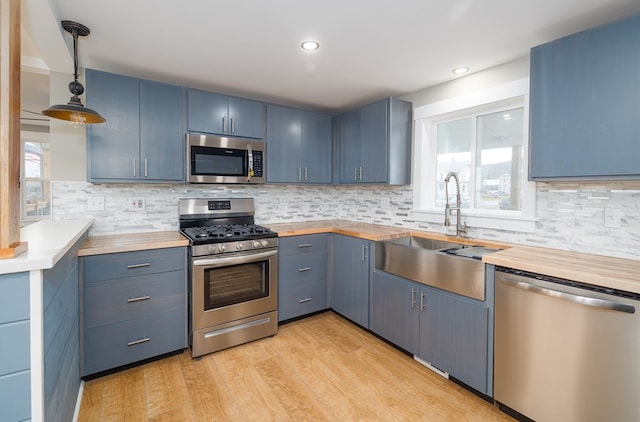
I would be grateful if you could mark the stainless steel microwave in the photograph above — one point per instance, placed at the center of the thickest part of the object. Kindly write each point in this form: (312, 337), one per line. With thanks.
(219, 159)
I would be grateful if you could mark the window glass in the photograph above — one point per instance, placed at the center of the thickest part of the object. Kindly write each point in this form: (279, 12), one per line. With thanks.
(36, 169)
(453, 155)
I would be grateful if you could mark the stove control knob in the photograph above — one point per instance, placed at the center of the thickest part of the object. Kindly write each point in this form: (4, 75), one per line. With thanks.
(256, 244)
(221, 248)
(212, 249)
(239, 246)
(264, 243)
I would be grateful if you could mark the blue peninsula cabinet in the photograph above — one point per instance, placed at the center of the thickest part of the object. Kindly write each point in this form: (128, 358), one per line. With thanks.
(219, 114)
(584, 101)
(374, 143)
(298, 145)
(143, 137)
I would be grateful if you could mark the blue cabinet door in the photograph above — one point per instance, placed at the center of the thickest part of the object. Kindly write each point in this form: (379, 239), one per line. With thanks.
(395, 308)
(284, 144)
(349, 147)
(207, 112)
(162, 143)
(454, 337)
(113, 148)
(375, 146)
(316, 147)
(584, 104)
(350, 294)
(246, 118)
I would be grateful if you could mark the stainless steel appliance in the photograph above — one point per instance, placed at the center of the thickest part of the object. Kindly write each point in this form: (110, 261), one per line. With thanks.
(565, 351)
(233, 282)
(219, 159)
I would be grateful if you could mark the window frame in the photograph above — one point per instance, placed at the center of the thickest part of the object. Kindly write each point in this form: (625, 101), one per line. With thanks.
(515, 93)
(41, 137)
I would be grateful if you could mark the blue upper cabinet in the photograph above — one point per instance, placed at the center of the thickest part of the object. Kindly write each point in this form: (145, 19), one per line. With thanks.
(585, 105)
(298, 146)
(143, 137)
(374, 143)
(222, 115)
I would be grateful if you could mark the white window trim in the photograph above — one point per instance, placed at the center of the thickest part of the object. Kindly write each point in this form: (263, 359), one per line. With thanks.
(424, 150)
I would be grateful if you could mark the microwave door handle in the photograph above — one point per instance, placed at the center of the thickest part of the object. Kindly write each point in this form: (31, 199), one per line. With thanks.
(250, 166)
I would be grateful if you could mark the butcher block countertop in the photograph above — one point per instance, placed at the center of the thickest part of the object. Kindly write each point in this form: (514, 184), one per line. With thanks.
(610, 272)
(98, 245)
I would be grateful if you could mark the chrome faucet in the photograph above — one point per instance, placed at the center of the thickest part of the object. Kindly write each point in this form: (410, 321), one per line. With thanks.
(447, 208)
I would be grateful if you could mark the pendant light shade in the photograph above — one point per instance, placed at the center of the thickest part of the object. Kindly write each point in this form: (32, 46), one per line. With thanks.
(74, 111)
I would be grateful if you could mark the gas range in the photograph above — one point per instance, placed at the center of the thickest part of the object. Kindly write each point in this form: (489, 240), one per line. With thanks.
(219, 226)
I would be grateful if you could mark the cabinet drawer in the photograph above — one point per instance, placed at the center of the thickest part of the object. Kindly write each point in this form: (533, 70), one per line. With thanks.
(129, 264)
(111, 301)
(302, 299)
(312, 243)
(295, 270)
(114, 345)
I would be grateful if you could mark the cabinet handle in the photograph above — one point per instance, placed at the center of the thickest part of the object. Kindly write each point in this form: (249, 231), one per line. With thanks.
(146, 264)
(305, 245)
(224, 124)
(355, 174)
(306, 299)
(305, 174)
(364, 252)
(422, 305)
(145, 167)
(299, 173)
(135, 343)
(361, 173)
(134, 167)
(138, 299)
(301, 270)
(413, 297)
(233, 126)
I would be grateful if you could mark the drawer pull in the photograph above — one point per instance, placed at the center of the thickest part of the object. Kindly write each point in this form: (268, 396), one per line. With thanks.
(138, 299)
(301, 270)
(138, 265)
(142, 340)
(305, 245)
(307, 299)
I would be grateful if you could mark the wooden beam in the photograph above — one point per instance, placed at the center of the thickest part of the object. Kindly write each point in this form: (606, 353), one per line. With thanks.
(10, 245)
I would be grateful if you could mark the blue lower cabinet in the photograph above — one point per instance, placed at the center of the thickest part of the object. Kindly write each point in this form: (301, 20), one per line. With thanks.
(350, 288)
(302, 275)
(133, 307)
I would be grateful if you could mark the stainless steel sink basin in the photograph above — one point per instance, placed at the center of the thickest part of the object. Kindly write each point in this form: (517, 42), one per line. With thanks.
(449, 266)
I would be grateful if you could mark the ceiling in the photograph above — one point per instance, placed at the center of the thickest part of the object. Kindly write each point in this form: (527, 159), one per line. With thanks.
(368, 48)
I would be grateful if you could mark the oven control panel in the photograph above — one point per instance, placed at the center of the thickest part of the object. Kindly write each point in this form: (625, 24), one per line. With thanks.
(239, 246)
(219, 205)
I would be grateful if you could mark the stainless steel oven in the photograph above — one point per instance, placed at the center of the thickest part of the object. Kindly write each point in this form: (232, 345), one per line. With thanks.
(233, 283)
(234, 299)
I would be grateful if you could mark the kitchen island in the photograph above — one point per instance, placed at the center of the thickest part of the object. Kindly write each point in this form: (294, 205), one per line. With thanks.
(39, 323)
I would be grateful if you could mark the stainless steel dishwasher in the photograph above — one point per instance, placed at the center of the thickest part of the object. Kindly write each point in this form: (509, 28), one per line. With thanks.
(565, 351)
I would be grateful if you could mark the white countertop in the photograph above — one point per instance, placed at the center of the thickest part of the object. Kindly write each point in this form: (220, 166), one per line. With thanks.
(48, 241)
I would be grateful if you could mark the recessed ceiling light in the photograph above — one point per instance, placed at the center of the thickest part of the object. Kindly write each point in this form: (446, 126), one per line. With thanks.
(310, 45)
(460, 70)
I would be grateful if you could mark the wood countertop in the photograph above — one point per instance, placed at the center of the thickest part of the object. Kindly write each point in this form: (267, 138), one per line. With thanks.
(604, 271)
(97, 245)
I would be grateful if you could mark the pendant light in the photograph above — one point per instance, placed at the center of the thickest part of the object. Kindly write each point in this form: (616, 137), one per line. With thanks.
(74, 111)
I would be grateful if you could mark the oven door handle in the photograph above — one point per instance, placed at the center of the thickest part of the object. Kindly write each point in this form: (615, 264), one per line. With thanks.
(242, 259)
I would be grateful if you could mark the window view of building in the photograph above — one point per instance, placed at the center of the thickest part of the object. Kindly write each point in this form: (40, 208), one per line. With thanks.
(35, 186)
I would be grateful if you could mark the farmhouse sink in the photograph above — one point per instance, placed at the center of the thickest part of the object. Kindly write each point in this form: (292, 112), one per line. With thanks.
(449, 266)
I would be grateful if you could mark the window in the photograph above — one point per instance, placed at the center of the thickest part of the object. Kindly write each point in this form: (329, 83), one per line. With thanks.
(483, 139)
(35, 175)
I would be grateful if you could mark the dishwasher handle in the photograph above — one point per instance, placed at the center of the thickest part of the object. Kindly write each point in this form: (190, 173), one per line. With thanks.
(582, 300)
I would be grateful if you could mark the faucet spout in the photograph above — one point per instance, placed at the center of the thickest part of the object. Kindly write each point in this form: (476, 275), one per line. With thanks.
(460, 227)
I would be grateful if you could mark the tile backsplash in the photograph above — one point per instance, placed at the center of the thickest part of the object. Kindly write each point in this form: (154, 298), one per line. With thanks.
(571, 216)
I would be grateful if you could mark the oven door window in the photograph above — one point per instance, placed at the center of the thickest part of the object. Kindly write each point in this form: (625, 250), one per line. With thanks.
(234, 284)
(212, 161)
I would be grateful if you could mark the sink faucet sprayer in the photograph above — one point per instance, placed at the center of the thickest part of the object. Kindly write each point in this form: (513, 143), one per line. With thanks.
(448, 208)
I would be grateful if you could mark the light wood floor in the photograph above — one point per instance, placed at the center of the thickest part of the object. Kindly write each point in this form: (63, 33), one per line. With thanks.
(321, 368)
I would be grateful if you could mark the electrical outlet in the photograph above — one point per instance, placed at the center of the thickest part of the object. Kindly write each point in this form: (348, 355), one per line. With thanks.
(95, 203)
(612, 217)
(136, 203)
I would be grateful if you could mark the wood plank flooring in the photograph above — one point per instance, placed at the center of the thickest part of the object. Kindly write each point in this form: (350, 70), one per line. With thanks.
(322, 368)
